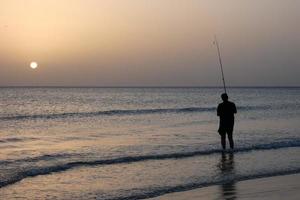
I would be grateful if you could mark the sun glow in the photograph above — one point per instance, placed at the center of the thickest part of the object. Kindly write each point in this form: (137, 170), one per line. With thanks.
(33, 65)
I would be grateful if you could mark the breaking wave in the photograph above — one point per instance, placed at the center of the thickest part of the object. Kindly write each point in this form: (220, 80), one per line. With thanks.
(32, 172)
(124, 112)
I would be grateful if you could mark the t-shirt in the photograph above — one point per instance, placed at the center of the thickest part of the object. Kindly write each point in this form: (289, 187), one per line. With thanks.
(226, 111)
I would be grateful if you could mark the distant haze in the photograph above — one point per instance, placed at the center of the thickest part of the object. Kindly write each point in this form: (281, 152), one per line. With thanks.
(149, 42)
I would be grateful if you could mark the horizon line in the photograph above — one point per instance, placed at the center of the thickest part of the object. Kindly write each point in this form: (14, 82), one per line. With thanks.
(94, 86)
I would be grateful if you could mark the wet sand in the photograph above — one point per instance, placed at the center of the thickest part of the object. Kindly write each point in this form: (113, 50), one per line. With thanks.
(273, 188)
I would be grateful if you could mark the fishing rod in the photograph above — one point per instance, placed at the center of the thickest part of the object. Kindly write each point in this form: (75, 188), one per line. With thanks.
(220, 60)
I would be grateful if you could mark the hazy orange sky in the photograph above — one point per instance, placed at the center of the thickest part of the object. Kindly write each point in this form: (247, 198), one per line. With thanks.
(149, 42)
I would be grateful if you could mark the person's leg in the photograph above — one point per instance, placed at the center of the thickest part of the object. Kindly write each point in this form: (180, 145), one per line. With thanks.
(229, 133)
(223, 140)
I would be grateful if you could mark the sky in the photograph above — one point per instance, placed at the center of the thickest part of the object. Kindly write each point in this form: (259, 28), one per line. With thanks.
(149, 42)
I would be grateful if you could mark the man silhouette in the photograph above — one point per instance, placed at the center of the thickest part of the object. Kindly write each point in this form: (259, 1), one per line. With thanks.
(226, 111)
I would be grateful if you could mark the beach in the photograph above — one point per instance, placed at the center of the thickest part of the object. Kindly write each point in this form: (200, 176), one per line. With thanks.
(141, 99)
(272, 188)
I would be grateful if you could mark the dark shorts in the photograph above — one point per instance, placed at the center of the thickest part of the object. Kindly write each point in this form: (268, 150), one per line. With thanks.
(228, 131)
(227, 128)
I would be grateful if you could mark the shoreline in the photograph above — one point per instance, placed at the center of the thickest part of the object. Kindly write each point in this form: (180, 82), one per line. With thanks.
(269, 188)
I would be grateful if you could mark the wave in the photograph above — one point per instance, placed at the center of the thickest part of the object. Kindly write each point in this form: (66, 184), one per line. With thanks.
(15, 139)
(45, 157)
(124, 112)
(131, 159)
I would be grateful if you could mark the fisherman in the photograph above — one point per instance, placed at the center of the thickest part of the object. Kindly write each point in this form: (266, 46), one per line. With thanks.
(226, 111)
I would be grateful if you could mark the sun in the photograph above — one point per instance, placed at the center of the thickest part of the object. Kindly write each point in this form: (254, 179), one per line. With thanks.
(33, 65)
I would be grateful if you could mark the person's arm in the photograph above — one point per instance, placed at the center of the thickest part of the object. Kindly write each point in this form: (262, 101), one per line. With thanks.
(218, 110)
(234, 109)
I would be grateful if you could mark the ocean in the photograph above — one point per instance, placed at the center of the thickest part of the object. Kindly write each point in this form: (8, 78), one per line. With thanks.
(137, 143)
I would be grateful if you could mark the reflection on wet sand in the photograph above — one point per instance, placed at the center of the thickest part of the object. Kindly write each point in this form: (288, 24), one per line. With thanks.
(226, 166)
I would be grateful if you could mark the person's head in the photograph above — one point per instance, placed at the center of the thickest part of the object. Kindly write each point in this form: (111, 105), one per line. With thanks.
(224, 97)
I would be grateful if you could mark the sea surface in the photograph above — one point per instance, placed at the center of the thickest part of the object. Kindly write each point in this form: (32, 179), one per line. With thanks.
(137, 143)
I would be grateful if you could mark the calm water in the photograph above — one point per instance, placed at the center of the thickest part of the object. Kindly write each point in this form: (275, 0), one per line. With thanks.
(134, 143)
